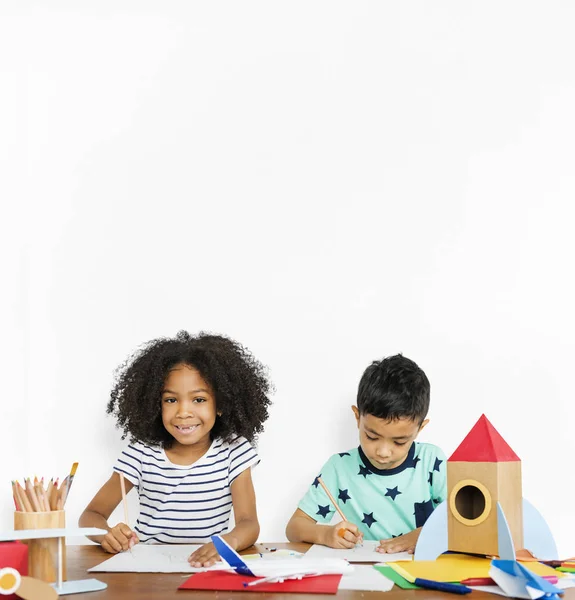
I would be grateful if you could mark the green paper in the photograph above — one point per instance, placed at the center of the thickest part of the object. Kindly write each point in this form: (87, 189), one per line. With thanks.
(397, 578)
(566, 569)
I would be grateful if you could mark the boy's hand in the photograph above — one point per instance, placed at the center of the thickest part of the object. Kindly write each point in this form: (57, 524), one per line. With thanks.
(402, 543)
(341, 535)
(205, 556)
(119, 538)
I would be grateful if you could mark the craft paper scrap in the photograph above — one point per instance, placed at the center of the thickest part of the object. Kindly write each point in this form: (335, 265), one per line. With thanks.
(153, 558)
(365, 578)
(456, 567)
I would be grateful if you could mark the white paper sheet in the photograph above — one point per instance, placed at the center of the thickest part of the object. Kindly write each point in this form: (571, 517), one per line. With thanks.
(152, 558)
(365, 553)
(565, 583)
(366, 579)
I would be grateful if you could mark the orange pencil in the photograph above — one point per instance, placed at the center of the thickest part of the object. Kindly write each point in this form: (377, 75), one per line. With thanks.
(341, 532)
(24, 498)
(32, 495)
(332, 499)
(70, 480)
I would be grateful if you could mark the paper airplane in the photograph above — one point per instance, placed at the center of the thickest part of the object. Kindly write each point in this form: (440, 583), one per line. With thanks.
(518, 582)
(280, 569)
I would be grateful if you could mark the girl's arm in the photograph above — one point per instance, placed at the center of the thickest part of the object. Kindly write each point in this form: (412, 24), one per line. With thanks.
(99, 510)
(247, 528)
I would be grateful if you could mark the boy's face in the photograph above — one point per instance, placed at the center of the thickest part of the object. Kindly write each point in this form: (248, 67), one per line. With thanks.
(386, 443)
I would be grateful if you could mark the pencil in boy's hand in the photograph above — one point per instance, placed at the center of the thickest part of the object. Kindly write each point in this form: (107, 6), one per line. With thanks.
(341, 532)
(70, 479)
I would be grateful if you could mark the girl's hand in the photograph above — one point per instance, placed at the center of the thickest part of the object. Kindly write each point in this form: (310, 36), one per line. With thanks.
(205, 556)
(341, 535)
(119, 538)
(402, 543)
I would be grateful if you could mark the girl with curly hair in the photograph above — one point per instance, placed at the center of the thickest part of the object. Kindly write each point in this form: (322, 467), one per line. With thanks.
(191, 406)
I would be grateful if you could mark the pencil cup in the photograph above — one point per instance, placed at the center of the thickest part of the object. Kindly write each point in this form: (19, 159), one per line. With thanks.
(43, 553)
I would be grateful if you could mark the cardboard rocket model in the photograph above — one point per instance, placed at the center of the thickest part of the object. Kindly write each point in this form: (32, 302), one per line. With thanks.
(485, 512)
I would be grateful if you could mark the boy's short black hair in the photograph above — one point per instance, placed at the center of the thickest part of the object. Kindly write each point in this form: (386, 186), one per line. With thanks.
(240, 384)
(394, 388)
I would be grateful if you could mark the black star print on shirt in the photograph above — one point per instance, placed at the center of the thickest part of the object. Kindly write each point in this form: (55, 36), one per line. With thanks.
(364, 471)
(412, 463)
(422, 510)
(430, 478)
(316, 481)
(342, 454)
(343, 496)
(436, 465)
(368, 519)
(323, 510)
(392, 492)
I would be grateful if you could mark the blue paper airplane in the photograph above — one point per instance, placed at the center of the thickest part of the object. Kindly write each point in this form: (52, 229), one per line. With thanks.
(518, 582)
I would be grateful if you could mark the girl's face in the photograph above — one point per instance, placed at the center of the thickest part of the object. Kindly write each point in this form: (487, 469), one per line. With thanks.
(188, 406)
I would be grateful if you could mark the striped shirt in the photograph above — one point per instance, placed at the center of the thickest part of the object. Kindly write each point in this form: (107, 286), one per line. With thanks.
(184, 504)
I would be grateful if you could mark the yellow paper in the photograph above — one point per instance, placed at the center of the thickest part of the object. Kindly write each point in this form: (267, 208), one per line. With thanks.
(456, 567)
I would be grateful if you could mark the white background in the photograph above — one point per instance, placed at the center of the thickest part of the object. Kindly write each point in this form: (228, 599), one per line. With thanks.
(328, 183)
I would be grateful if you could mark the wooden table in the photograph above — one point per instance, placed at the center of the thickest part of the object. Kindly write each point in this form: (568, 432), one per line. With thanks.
(152, 586)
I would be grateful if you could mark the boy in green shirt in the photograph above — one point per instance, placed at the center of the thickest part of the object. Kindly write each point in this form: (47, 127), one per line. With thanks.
(389, 485)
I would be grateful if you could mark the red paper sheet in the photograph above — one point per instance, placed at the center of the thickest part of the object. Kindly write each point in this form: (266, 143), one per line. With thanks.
(223, 581)
(15, 555)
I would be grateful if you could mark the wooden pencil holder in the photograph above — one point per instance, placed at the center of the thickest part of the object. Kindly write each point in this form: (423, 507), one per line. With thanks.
(43, 553)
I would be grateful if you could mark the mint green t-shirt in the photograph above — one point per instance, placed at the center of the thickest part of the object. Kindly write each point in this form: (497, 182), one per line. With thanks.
(382, 503)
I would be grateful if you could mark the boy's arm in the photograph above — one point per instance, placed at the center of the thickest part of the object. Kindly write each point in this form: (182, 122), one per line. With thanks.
(302, 528)
(247, 528)
(96, 514)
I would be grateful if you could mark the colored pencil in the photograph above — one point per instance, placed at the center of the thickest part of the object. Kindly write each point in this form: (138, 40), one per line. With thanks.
(23, 496)
(62, 494)
(488, 581)
(332, 499)
(49, 493)
(70, 480)
(32, 496)
(54, 496)
(124, 501)
(17, 504)
(341, 532)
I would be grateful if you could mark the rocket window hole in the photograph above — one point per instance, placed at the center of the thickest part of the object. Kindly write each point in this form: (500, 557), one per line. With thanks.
(470, 502)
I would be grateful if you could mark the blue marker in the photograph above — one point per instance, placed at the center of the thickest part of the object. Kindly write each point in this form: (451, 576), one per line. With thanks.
(440, 586)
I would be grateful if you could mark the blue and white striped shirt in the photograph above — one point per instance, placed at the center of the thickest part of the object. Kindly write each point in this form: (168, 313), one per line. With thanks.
(184, 504)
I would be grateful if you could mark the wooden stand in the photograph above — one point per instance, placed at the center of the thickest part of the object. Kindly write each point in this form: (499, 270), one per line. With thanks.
(43, 553)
